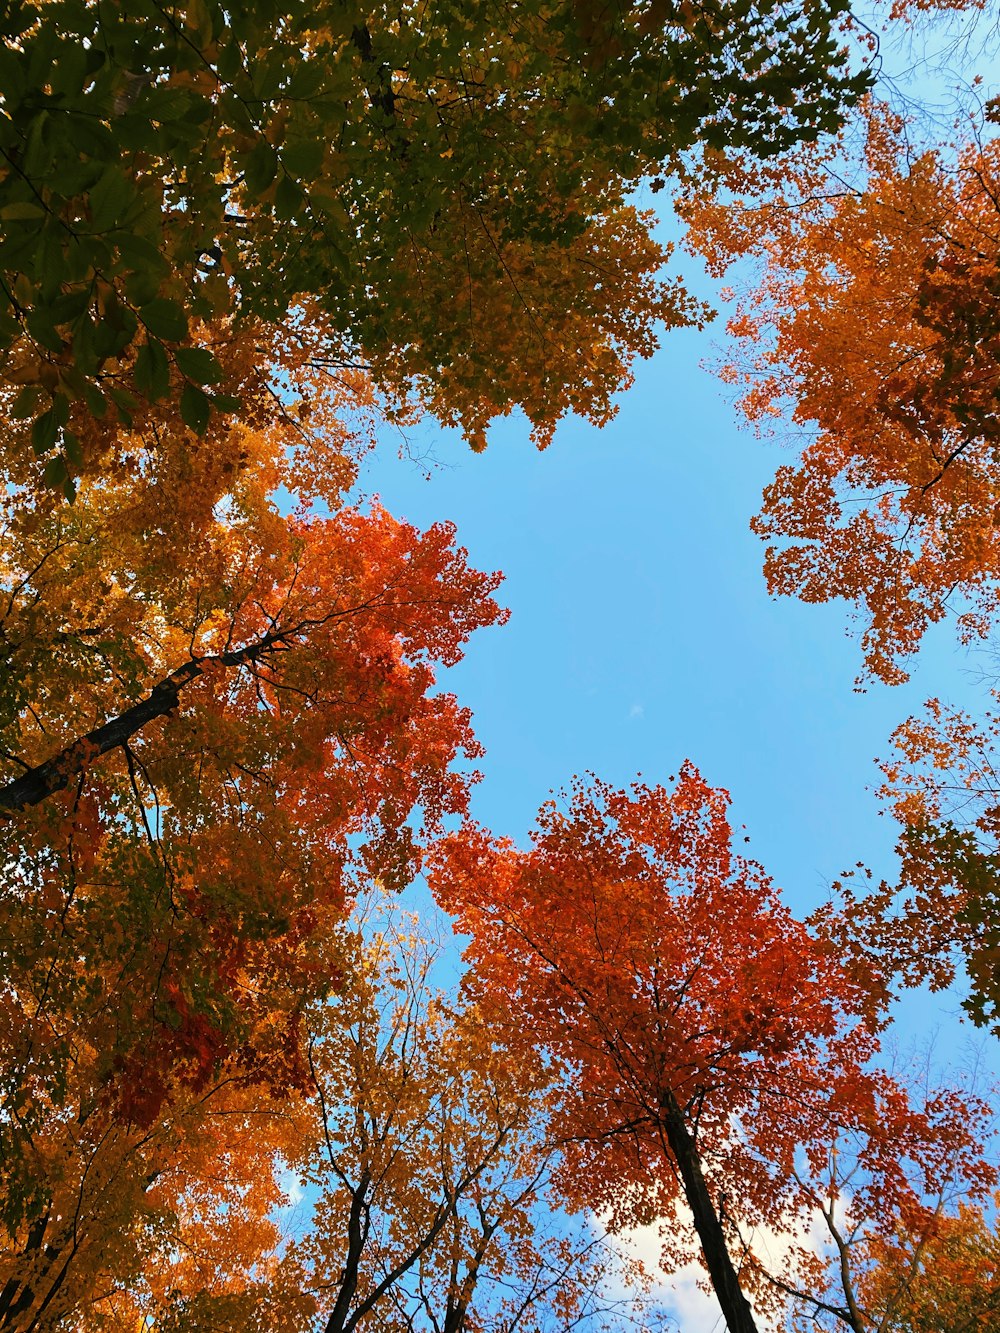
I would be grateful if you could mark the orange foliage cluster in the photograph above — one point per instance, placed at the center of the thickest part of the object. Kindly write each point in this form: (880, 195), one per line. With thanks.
(695, 1015)
(952, 1283)
(943, 912)
(873, 328)
(258, 791)
(171, 901)
(566, 321)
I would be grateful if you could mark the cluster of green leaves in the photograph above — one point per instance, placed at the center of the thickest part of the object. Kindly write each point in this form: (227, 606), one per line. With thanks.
(162, 166)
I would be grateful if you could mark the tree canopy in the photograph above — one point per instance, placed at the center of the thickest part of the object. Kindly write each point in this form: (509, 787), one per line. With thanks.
(168, 168)
(718, 1052)
(874, 323)
(234, 239)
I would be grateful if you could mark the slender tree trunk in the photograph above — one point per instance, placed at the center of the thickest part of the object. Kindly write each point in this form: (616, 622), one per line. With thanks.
(11, 1303)
(735, 1306)
(357, 1236)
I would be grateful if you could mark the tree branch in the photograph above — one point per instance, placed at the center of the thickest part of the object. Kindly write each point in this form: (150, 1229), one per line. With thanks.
(55, 774)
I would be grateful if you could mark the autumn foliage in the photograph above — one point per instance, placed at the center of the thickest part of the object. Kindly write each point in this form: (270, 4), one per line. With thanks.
(235, 240)
(950, 1285)
(216, 720)
(166, 169)
(294, 736)
(873, 328)
(717, 1052)
(940, 916)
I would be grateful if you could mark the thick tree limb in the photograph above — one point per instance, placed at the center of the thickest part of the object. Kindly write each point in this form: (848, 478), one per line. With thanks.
(55, 774)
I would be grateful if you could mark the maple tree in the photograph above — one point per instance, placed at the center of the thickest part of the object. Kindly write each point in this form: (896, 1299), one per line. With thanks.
(422, 1147)
(941, 914)
(432, 1162)
(115, 1202)
(168, 166)
(231, 238)
(718, 1050)
(872, 325)
(879, 1206)
(949, 1285)
(215, 720)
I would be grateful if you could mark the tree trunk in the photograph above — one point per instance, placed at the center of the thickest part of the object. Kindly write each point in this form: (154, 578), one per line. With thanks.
(724, 1278)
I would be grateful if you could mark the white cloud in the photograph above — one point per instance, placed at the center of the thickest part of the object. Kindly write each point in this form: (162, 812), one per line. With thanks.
(695, 1309)
(291, 1187)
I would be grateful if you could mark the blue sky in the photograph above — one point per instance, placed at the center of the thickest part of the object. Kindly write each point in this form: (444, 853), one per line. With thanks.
(641, 631)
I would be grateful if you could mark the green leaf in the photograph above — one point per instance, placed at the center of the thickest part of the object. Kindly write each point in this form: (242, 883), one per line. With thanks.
(198, 112)
(270, 73)
(37, 154)
(70, 305)
(69, 71)
(42, 329)
(139, 253)
(164, 103)
(308, 77)
(43, 432)
(12, 75)
(50, 265)
(124, 325)
(125, 402)
(198, 364)
(23, 212)
(165, 319)
(134, 133)
(322, 198)
(287, 199)
(84, 350)
(141, 286)
(110, 198)
(152, 370)
(9, 326)
(97, 404)
(104, 336)
(196, 408)
(90, 136)
(73, 448)
(260, 167)
(55, 473)
(72, 380)
(81, 257)
(229, 58)
(26, 402)
(304, 160)
(18, 249)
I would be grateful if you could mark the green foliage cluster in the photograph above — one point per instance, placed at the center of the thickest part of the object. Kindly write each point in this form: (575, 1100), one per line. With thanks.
(165, 165)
